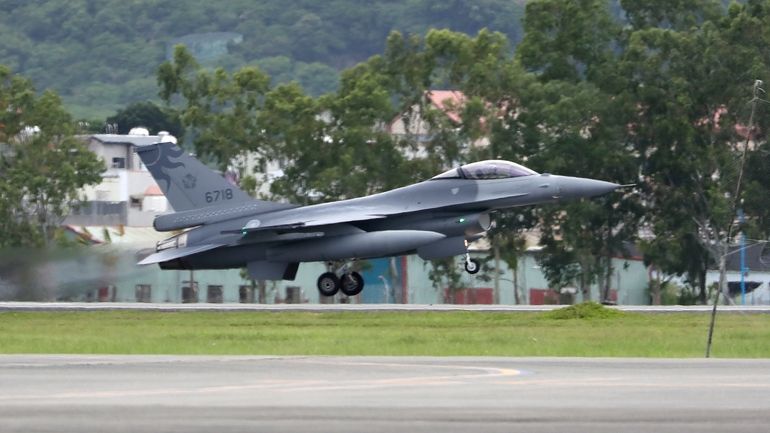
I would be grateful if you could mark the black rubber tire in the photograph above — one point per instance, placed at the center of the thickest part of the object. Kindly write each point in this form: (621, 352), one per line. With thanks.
(352, 284)
(328, 284)
(473, 267)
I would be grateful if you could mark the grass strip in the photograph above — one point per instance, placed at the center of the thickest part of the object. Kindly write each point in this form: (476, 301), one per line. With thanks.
(557, 333)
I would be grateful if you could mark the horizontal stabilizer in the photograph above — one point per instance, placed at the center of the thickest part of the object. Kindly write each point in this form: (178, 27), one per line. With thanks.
(176, 253)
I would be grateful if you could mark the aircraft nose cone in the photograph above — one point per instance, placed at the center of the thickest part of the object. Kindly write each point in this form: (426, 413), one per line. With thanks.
(579, 187)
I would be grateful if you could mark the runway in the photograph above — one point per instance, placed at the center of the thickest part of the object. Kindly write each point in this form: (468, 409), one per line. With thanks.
(56, 393)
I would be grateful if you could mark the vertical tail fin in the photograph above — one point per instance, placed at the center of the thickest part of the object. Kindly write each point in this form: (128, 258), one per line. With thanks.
(186, 182)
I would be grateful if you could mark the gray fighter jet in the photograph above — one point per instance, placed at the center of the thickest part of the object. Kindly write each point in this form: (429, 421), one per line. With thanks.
(226, 228)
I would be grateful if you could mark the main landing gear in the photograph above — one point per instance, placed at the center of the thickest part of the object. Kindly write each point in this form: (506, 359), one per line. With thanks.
(349, 283)
(328, 284)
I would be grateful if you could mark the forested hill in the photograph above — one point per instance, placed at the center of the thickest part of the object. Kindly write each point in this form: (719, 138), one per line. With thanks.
(102, 54)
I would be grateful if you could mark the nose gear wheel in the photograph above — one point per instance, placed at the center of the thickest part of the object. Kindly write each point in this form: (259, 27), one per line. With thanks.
(472, 266)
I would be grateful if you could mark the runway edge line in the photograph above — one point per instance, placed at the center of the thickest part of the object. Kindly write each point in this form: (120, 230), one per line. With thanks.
(320, 308)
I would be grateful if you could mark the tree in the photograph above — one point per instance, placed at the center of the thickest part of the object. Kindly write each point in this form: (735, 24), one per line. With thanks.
(148, 115)
(445, 275)
(220, 109)
(658, 100)
(567, 40)
(690, 89)
(664, 96)
(508, 244)
(42, 166)
(102, 57)
(567, 121)
(292, 127)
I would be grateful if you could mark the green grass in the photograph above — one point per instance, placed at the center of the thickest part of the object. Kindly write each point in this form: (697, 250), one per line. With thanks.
(597, 333)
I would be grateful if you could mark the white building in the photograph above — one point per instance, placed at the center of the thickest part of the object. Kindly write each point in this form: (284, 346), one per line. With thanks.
(412, 124)
(756, 275)
(127, 194)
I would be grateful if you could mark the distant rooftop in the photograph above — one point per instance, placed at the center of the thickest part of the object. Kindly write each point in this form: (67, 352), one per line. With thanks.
(450, 102)
(136, 140)
(153, 190)
(119, 236)
(757, 257)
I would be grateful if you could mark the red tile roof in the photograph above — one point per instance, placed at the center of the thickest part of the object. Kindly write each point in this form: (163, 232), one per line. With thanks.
(448, 101)
(153, 190)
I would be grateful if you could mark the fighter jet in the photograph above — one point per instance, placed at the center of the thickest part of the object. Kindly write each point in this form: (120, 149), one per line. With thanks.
(226, 228)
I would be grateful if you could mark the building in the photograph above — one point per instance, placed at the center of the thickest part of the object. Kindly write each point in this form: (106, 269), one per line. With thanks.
(413, 123)
(756, 274)
(127, 194)
(107, 272)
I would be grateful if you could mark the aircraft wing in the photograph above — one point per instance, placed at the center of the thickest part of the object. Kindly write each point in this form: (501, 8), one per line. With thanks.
(257, 225)
(175, 253)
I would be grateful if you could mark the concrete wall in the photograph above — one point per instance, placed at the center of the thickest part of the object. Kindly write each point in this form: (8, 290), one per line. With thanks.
(759, 296)
(81, 276)
(99, 213)
(629, 280)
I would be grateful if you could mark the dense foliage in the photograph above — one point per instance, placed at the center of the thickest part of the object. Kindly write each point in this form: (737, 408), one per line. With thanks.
(148, 115)
(664, 98)
(660, 99)
(42, 165)
(101, 55)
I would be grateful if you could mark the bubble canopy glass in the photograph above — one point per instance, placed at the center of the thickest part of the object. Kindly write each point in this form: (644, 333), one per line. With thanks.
(491, 169)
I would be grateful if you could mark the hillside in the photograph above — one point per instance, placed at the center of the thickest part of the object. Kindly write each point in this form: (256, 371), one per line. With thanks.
(101, 55)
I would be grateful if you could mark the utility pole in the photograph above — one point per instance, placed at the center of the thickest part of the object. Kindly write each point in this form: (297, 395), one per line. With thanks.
(731, 226)
(743, 257)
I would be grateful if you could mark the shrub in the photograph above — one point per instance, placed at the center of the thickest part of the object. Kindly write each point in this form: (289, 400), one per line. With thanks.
(585, 310)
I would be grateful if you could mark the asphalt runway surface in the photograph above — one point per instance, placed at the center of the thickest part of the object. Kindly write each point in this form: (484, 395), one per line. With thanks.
(62, 393)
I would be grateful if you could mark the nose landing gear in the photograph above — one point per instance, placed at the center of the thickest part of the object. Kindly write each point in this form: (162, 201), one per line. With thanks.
(472, 266)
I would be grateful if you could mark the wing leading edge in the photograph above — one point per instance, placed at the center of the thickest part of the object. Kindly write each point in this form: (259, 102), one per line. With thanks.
(175, 253)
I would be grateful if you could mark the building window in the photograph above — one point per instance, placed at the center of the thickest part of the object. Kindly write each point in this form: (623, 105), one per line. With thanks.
(190, 293)
(107, 293)
(143, 293)
(214, 294)
(293, 294)
(102, 195)
(118, 162)
(246, 294)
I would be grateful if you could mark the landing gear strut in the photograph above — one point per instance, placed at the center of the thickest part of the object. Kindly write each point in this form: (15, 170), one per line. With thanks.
(350, 283)
(472, 266)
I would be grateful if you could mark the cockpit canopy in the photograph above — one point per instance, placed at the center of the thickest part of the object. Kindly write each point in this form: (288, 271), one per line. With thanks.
(490, 169)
